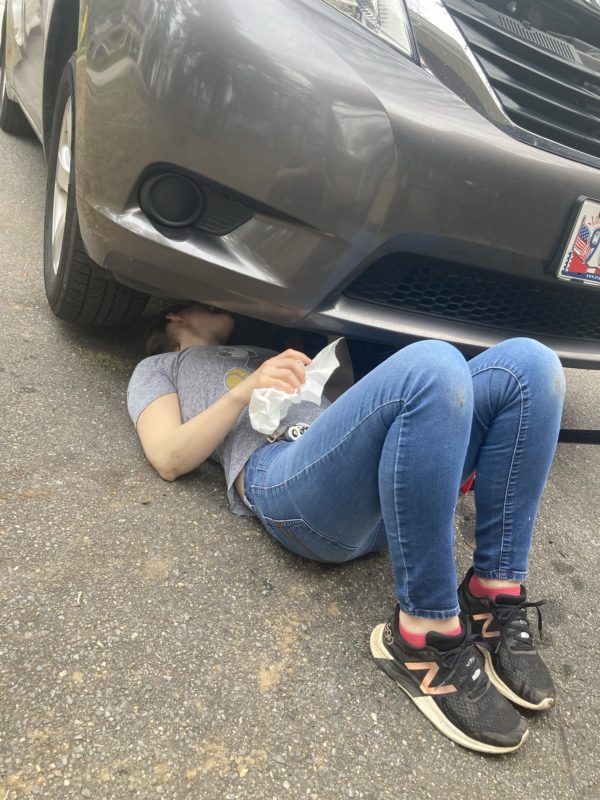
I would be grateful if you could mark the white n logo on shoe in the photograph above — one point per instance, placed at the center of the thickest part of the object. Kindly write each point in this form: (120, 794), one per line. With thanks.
(432, 670)
(485, 631)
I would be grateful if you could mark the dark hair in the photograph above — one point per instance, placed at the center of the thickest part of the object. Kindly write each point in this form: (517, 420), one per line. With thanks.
(156, 337)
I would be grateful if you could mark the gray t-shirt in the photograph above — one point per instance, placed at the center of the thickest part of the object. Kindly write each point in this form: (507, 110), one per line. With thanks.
(200, 375)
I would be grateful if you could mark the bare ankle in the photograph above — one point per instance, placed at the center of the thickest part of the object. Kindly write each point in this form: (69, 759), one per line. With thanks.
(497, 583)
(425, 624)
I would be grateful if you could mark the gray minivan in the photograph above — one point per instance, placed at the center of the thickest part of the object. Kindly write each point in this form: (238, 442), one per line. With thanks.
(384, 169)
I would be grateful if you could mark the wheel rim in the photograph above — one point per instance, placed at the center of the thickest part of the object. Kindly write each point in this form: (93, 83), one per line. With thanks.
(61, 185)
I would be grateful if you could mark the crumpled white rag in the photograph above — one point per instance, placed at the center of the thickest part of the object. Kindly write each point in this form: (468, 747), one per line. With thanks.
(269, 406)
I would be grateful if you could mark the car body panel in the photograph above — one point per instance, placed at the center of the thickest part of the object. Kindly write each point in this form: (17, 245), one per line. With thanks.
(352, 158)
(27, 31)
(345, 149)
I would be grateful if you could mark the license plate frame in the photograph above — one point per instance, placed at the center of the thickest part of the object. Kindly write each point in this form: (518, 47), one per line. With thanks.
(580, 258)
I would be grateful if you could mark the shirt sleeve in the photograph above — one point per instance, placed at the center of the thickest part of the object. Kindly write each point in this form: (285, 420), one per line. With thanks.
(151, 379)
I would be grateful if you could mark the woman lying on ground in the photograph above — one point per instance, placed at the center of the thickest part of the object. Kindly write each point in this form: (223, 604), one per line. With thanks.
(380, 468)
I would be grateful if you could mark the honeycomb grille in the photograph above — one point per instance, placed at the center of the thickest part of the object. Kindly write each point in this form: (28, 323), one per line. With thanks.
(470, 295)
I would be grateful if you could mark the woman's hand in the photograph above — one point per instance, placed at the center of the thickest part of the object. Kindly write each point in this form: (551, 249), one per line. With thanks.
(285, 372)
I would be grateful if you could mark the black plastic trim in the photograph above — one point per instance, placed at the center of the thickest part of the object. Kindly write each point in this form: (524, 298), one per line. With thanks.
(483, 298)
(533, 64)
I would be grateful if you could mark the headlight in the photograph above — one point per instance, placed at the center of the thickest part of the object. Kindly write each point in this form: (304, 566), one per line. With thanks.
(385, 18)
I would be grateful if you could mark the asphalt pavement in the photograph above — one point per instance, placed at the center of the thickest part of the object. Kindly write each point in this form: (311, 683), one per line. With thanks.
(154, 645)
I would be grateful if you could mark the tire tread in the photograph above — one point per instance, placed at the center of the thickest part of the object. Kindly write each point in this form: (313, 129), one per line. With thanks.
(83, 292)
(93, 299)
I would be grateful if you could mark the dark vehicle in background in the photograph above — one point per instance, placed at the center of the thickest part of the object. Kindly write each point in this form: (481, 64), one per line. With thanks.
(384, 169)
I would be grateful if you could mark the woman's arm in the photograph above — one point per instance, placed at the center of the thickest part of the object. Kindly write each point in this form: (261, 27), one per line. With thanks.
(175, 448)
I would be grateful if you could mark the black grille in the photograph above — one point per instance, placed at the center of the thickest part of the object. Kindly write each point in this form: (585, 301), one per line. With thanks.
(542, 81)
(471, 295)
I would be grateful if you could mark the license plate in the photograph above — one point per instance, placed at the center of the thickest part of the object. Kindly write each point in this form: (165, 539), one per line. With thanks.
(580, 260)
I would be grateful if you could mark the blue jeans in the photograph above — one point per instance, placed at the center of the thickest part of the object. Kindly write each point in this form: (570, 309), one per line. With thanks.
(382, 466)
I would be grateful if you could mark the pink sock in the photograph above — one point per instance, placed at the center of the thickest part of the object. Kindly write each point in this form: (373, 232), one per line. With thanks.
(417, 640)
(478, 589)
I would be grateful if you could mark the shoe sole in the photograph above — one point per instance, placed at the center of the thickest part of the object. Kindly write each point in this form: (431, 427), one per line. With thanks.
(427, 705)
(546, 703)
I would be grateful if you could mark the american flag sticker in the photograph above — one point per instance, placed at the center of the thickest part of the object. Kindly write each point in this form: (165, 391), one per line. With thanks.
(581, 259)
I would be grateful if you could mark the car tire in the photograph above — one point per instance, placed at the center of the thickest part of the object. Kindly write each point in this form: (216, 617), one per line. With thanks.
(78, 290)
(12, 119)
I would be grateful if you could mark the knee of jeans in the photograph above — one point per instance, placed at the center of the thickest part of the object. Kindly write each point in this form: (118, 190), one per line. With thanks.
(541, 364)
(444, 370)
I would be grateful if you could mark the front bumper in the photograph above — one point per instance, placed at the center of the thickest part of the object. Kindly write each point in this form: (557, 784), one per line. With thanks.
(358, 154)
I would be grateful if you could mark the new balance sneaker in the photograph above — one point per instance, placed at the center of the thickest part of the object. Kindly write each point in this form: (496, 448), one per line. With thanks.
(447, 682)
(511, 660)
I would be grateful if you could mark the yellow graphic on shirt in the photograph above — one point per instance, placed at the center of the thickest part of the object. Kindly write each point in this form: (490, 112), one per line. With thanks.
(235, 376)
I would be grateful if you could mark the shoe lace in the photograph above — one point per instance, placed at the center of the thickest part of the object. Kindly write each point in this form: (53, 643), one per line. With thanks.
(513, 619)
(464, 663)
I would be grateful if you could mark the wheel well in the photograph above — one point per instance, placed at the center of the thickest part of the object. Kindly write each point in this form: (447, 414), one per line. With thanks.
(60, 46)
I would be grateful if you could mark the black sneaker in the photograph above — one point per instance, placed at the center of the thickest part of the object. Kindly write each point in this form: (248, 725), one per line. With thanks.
(511, 661)
(447, 682)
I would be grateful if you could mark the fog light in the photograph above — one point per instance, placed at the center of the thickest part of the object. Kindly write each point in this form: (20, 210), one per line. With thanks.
(172, 199)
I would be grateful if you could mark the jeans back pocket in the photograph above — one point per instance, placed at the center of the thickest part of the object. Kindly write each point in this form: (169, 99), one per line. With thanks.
(299, 537)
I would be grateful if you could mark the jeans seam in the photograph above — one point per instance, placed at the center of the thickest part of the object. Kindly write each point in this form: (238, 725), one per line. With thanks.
(290, 535)
(262, 457)
(399, 538)
(282, 524)
(512, 461)
(375, 535)
(502, 575)
(331, 449)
